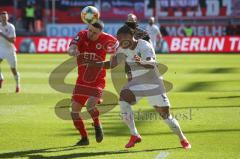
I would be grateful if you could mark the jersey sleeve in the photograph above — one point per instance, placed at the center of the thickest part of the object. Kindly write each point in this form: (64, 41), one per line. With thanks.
(12, 33)
(76, 40)
(147, 51)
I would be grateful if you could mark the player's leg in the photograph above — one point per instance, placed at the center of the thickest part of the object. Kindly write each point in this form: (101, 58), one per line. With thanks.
(77, 104)
(162, 105)
(126, 99)
(94, 112)
(1, 75)
(17, 78)
(12, 60)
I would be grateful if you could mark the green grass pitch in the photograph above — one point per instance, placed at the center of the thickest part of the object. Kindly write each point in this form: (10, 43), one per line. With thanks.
(205, 98)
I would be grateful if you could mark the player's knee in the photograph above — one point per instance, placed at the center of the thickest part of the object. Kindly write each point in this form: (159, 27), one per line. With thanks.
(94, 112)
(163, 112)
(14, 71)
(76, 107)
(127, 96)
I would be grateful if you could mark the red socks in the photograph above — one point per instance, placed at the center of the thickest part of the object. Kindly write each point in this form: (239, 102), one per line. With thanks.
(95, 116)
(79, 125)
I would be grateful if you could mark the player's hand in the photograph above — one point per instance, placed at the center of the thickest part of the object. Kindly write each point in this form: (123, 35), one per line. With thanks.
(137, 59)
(73, 50)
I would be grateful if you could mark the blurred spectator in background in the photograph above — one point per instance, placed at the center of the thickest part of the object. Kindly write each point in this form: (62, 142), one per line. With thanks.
(163, 31)
(188, 30)
(154, 33)
(29, 17)
(238, 29)
(38, 19)
(164, 45)
(231, 29)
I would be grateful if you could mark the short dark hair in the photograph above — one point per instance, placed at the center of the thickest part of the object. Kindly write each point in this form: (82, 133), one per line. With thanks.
(132, 25)
(125, 30)
(98, 24)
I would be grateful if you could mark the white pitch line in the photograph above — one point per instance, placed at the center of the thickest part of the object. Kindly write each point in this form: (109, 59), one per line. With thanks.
(162, 155)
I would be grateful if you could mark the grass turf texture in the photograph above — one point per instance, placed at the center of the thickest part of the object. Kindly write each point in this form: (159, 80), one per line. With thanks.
(205, 99)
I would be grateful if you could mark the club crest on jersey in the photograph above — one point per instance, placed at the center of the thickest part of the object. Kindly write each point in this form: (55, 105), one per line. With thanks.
(77, 38)
(99, 46)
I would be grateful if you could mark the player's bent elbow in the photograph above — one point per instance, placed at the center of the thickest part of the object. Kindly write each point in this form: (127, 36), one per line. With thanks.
(71, 50)
(12, 40)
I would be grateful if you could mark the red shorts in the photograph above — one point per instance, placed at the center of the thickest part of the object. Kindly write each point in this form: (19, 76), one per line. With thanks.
(82, 92)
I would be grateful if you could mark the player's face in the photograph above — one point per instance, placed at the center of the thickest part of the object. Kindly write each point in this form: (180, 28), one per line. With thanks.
(125, 40)
(151, 21)
(4, 18)
(93, 33)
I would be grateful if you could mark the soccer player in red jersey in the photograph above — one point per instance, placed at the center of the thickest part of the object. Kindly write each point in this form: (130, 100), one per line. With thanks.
(90, 45)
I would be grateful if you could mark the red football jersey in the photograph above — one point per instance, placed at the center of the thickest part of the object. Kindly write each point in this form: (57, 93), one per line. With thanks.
(95, 51)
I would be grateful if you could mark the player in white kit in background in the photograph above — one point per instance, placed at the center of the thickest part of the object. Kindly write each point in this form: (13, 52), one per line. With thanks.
(154, 33)
(7, 48)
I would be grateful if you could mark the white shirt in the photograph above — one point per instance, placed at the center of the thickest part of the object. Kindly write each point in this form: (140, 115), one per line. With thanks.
(9, 31)
(143, 49)
(153, 32)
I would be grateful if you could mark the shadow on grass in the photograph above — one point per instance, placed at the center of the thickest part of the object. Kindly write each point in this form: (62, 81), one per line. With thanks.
(212, 86)
(225, 97)
(206, 107)
(98, 153)
(38, 154)
(216, 70)
(28, 152)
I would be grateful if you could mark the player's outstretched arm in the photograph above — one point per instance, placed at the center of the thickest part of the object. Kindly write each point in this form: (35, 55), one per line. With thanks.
(73, 50)
(112, 63)
(148, 63)
(9, 39)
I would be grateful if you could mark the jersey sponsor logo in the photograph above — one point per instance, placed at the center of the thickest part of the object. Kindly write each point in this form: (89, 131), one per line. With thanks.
(90, 56)
(90, 74)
